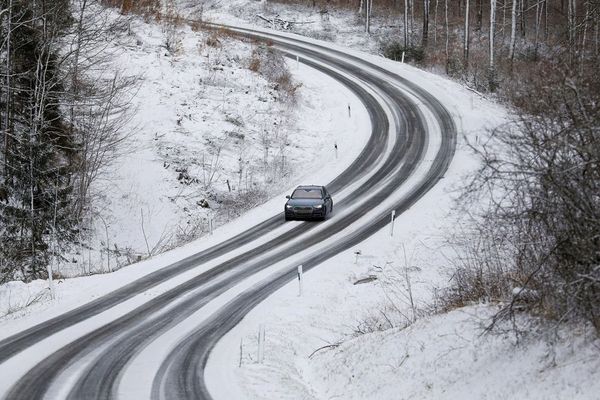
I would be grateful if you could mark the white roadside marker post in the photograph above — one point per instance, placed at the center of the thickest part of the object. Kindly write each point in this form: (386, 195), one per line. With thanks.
(335, 146)
(261, 343)
(393, 217)
(300, 280)
(50, 282)
(349, 111)
(297, 62)
(357, 253)
(241, 351)
(402, 57)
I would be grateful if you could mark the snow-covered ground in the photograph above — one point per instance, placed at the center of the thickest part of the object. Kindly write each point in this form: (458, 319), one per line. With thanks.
(361, 328)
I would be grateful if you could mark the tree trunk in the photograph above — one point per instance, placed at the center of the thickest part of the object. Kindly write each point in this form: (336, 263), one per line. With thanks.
(523, 27)
(479, 20)
(75, 82)
(425, 23)
(571, 27)
(545, 19)
(584, 36)
(447, 35)
(406, 40)
(412, 21)
(466, 37)
(538, 21)
(513, 31)
(8, 111)
(492, 66)
(435, 16)
(367, 15)
(503, 21)
(597, 37)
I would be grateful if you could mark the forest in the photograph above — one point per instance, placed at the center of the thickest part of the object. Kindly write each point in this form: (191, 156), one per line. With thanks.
(61, 119)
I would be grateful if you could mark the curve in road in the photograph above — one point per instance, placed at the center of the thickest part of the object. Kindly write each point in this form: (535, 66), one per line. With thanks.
(181, 373)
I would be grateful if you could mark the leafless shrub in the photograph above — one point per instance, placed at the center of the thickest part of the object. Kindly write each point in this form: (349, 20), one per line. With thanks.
(254, 64)
(146, 8)
(172, 22)
(270, 63)
(195, 25)
(211, 164)
(32, 298)
(185, 233)
(236, 203)
(317, 34)
(286, 85)
(213, 40)
(401, 307)
(382, 320)
(541, 175)
(479, 269)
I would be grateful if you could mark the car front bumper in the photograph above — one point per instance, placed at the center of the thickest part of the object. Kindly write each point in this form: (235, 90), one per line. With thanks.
(304, 213)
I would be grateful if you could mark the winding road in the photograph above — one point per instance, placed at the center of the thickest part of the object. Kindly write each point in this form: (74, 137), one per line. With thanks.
(399, 164)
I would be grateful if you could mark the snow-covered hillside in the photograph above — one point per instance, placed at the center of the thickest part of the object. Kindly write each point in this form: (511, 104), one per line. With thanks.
(202, 118)
(212, 138)
(209, 139)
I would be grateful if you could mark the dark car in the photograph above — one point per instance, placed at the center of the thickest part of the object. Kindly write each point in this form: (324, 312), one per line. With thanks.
(308, 202)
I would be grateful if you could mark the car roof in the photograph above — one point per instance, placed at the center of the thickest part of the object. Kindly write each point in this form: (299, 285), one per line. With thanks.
(310, 187)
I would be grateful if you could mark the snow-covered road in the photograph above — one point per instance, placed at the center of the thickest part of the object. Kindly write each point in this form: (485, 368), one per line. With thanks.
(129, 344)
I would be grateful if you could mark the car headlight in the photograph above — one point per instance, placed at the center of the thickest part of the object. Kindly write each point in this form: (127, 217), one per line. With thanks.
(288, 206)
(319, 206)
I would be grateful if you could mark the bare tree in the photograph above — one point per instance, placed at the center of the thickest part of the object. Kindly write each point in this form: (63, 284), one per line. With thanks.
(572, 28)
(412, 19)
(479, 19)
(435, 17)
(425, 23)
(406, 36)
(447, 33)
(538, 21)
(368, 6)
(492, 65)
(98, 98)
(466, 36)
(541, 176)
(513, 31)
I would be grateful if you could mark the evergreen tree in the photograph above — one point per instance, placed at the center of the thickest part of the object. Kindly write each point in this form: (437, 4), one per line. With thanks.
(35, 208)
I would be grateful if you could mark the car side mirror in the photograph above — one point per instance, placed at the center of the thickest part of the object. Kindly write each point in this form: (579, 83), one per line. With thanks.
(288, 197)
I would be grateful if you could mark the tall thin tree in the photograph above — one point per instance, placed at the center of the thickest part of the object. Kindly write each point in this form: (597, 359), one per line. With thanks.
(425, 23)
(406, 39)
(466, 36)
(492, 65)
(513, 31)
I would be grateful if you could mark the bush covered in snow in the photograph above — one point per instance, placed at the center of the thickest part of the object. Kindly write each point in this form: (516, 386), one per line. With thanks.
(541, 230)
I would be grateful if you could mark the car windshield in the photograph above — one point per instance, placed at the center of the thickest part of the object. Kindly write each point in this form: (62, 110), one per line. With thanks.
(307, 193)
